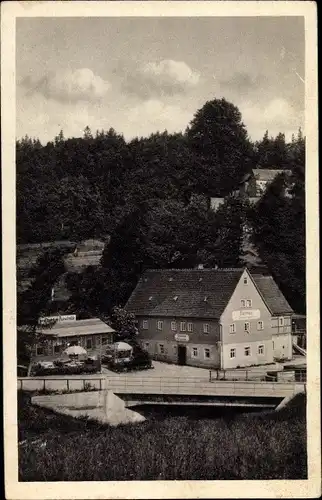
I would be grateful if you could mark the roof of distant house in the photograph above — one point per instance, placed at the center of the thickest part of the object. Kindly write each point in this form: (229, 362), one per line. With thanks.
(264, 174)
(267, 174)
(272, 295)
(197, 293)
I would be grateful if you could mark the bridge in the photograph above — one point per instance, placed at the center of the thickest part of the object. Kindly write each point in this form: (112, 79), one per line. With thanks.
(195, 391)
(200, 386)
(115, 397)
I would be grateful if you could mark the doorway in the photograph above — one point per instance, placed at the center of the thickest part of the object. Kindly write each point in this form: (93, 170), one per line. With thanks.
(182, 354)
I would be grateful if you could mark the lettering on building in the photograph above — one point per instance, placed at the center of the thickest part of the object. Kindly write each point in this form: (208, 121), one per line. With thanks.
(246, 314)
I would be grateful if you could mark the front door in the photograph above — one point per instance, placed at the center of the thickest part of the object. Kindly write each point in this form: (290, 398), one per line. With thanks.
(182, 354)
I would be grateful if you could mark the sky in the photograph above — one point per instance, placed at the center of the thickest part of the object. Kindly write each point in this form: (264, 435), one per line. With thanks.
(143, 75)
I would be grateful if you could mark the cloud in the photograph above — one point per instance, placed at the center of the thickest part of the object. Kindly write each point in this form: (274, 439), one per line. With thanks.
(241, 81)
(276, 116)
(153, 116)
(156, 79)
(68, 86)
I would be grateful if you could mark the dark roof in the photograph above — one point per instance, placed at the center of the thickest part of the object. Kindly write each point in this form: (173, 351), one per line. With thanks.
(272, 295)
(182, 292)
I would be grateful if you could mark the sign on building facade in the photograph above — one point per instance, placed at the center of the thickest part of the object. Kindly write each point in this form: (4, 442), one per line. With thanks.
(245, 314)
(60, 319)
(181, 337)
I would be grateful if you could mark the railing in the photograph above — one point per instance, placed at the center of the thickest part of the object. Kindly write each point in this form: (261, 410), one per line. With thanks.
(53, 384)
(162, 385)
(201, 386)
(259, 374)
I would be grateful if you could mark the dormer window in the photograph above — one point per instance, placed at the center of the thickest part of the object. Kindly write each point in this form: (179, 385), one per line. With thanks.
(205, 299)
(150, 298)
(175, 298)
(170, 279)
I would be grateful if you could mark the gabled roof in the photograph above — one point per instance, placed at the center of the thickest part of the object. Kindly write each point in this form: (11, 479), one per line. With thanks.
(195, 293)
(272, 295)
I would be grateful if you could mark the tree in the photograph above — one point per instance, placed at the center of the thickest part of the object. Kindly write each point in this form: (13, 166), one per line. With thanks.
(33, 302)
(230, 221)
(123, 323)
(272, 152)
(87, 133)
(278, 224)
(218, 135)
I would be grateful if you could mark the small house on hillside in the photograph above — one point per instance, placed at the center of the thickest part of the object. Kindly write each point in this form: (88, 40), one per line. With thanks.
(255, 183)
(252, 186)
(218, 318)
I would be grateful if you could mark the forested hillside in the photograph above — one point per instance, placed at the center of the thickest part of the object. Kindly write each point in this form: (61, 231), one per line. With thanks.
(148, 199)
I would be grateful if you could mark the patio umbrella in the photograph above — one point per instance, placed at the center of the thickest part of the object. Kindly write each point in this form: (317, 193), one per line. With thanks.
(122, 346)
(75, 350)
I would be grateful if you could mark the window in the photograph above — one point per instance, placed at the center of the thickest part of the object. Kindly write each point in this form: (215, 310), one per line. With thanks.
(105, 340)
(273, 344)
(89, 344)
(281, 321)
(146, 345)
(243, 303)
(260, 349)
(189, 327)
(173, 326)
(205, 328)
(194, 352)
(175, 349)
(161, 349)
(39, 350)
(245, 280)
(232, 328)
(145, 324)
(160, 325)
(249, 303)
(183, 326)
(232, 353)
(260, 325)
(247, 351)
(207, 353)
(57, 348)
(247, 327)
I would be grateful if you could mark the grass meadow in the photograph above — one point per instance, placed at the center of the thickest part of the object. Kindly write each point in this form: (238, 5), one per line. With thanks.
(246, 446)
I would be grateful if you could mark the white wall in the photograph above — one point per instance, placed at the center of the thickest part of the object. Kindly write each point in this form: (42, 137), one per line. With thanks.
(254, 359)
(282, 346)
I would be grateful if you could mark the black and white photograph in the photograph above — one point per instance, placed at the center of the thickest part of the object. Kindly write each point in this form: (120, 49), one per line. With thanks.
(162, 316)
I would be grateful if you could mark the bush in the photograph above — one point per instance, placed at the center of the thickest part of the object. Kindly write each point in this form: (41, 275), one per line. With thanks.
(64, 369)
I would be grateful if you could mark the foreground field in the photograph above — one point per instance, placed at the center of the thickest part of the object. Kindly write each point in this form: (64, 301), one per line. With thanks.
(58, 448)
